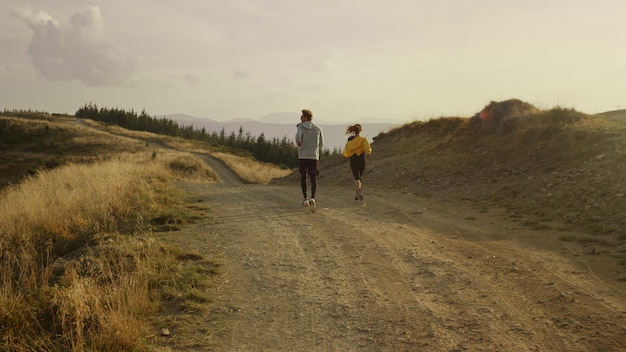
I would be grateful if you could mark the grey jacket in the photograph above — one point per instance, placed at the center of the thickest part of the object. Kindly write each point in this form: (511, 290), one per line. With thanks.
(310, 140)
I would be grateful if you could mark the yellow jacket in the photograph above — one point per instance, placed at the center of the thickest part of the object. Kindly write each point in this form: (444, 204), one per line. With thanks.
(357, 146)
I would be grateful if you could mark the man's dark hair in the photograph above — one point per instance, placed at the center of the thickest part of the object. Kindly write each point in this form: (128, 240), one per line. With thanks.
(308, 114)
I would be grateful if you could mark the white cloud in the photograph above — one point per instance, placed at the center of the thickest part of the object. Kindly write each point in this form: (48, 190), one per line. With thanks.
(78, 51)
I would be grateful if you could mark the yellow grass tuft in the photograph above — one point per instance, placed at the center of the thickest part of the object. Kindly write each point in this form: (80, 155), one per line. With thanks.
(72, 280)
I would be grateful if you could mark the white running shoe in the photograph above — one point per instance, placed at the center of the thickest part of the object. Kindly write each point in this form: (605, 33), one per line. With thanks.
(305, 203)
(313, 205)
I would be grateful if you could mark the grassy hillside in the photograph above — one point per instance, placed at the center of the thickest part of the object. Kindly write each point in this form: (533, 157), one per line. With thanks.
(79, 209)
(558, 169)
(41, 142)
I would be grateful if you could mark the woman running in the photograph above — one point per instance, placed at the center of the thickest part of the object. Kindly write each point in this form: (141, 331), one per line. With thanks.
(356, 149)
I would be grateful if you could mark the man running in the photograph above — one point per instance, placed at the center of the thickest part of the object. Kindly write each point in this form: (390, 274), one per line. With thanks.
(310, 140)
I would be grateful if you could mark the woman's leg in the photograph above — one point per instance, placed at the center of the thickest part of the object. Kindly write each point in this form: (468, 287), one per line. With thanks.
(357, 165)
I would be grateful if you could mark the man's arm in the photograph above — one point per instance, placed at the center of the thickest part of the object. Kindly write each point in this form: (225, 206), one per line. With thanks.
(321, 139)
(299, 137)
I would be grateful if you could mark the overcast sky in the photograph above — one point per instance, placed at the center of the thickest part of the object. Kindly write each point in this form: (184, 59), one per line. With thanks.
(344, 59)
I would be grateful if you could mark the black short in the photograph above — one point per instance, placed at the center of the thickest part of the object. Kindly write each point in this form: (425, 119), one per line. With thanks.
(357, 165)
(309, 166)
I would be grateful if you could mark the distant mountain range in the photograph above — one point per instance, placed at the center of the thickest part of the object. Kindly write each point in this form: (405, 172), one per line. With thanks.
(281, 124)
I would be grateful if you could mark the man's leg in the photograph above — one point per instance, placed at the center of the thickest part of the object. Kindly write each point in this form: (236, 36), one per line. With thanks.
(313, 172)
(303, 184)
(313, 184)
(303, 171)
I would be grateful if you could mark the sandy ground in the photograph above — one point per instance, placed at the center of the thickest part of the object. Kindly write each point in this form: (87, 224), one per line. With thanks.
(391, 273)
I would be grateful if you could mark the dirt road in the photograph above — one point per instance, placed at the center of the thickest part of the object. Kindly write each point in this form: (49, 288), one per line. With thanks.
(393, 273)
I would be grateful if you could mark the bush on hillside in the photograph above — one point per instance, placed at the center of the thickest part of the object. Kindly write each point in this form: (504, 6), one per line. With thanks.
(562, 117)
(501, 117)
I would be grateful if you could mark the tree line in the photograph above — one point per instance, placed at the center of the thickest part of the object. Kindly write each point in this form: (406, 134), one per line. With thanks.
(279, 151)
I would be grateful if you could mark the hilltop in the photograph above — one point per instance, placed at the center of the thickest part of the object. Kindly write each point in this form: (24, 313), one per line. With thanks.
(555, 169)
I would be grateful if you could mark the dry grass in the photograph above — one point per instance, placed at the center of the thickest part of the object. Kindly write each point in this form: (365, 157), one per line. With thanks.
(188, 167)
(72, 202)
(251, 170)
(82, 270)
(28, 146)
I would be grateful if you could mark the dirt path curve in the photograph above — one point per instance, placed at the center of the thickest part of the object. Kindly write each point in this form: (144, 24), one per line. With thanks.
(395, 273)
(223, 173)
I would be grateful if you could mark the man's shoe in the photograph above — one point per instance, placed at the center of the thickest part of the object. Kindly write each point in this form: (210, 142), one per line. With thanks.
(312, 205)
(305, 203)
